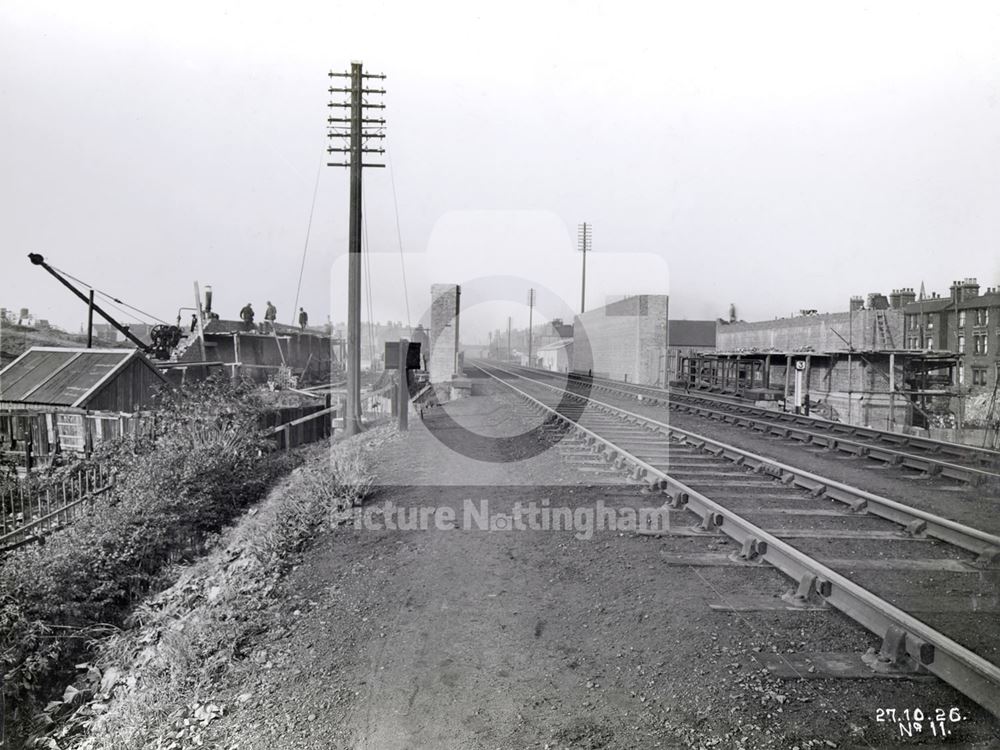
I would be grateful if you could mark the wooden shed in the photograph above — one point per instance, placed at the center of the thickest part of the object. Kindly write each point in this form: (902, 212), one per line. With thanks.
(112, 380)
(66, 400)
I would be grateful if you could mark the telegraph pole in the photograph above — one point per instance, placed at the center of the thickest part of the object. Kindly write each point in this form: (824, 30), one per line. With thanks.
(531, 310)
(357, 131)
(583, 242)
(508, 338)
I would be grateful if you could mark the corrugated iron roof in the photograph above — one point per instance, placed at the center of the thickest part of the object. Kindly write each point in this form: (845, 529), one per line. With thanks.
(60, 376)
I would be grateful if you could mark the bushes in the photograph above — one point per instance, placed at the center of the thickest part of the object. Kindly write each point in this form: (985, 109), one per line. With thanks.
(208, 462)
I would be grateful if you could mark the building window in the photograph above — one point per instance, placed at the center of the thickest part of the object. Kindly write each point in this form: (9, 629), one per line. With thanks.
(961, 318)
(961, 374)
(979, 376)
(980, 344)
(961, 344)
(983, 317)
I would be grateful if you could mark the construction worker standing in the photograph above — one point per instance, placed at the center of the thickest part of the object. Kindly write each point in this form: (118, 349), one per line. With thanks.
(246, 315)
(270, 315)
(303, 319)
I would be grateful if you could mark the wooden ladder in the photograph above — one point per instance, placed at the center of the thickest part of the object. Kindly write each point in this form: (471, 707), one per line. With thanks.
(883, 332)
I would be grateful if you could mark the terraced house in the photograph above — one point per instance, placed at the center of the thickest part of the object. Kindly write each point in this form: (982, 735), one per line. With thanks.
(966, 323)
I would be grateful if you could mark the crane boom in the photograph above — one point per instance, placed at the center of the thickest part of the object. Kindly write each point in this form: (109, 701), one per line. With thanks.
(38, 260)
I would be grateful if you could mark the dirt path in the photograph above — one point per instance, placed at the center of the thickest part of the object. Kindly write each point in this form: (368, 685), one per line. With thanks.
(389, 639)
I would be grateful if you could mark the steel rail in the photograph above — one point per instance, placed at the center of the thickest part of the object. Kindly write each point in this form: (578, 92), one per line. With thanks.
(892, 456)
(771, 422)
(960, 667)
(932, 445)
(916, 521)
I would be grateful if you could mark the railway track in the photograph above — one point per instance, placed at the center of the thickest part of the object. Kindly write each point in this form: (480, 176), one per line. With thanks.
(969, 464)
(870, 557)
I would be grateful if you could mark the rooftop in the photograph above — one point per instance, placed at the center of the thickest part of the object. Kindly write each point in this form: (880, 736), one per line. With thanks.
(691, 332)
(222, 326)
(63, 376)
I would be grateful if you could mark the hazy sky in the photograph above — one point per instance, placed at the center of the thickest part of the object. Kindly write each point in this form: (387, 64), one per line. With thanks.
(774, 155)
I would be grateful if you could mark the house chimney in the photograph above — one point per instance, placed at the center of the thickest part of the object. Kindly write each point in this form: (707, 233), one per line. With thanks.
(877, 301)
(967, 288)
(857, 303)
(970, 289)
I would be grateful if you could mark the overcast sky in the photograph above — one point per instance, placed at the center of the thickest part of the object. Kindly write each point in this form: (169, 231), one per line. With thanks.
(773, 155)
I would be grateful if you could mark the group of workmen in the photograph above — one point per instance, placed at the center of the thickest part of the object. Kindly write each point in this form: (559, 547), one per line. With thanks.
(270, 315)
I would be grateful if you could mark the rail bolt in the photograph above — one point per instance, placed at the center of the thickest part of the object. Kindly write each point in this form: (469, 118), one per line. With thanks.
(809, 594)
(679, 500)
(711, 522)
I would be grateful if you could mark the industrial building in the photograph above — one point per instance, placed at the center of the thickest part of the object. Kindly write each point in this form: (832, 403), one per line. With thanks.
(876, 388)
(862, 366)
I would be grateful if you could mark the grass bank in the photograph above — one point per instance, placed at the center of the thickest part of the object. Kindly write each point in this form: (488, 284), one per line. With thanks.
(173, 495)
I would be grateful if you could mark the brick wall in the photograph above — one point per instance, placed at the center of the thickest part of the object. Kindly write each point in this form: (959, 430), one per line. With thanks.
(444, 331)
(818, 331)
(627, 339)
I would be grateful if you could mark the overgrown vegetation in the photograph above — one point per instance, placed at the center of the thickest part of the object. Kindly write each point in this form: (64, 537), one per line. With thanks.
(981, 411)
(209, 461)
(158, 684)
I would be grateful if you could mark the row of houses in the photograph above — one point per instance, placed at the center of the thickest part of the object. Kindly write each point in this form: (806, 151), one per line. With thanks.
(965, 323)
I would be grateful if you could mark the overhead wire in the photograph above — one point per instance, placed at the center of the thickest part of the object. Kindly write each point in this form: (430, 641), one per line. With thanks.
(305, 247)
(111, 298)
(126, 314)
(399, 238)
(366, 251)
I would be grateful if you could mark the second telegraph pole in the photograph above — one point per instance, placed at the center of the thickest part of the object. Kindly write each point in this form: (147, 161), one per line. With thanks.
(583, 236)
